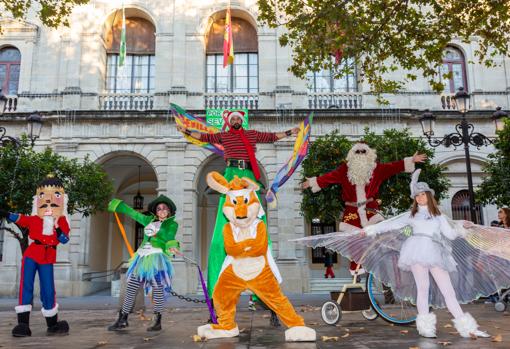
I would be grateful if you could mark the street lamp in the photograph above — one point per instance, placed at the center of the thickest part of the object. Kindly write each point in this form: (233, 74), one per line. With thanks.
(499, 117)
(34, 125)
(464, 135)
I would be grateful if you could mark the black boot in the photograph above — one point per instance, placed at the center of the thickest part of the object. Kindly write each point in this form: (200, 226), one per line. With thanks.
(156, 323)
(120, 323)
(22, 329)
(274, 321)
(55, 327)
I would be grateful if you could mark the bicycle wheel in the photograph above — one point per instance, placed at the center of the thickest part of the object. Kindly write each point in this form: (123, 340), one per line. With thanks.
(331, 313)
(384, 303)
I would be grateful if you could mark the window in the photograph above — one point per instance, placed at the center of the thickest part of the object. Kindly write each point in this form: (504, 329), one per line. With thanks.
(2, 245)
(139, 234)
(319, 228)
(454, 63)
(10, 59)
(242, 76)
(324, 81)
(137, 73)
(460, 207)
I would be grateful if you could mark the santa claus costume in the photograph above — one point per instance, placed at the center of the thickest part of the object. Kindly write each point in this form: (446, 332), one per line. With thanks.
(360, 178)
(47, 227)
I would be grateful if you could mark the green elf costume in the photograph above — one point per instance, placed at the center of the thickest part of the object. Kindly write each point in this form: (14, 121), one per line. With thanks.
(151, 265)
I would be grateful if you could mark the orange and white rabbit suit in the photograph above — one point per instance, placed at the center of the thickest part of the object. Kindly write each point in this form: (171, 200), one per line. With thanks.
(248, 265)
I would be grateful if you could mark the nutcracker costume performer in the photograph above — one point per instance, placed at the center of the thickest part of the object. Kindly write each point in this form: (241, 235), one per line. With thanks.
(249, 263)
(466, 261)
(360, 178)
(47, 227)
(239, 153)
(150, 266)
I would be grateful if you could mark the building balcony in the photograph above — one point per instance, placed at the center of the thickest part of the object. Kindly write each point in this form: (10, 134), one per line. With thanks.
(11, 105)
(335, 100)
(231, 100)
(126, 101)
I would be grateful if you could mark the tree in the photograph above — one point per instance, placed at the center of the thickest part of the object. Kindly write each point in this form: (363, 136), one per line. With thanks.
(21, 168)
(329, 151)
(495, 187)
(383, 36)
(51, 13)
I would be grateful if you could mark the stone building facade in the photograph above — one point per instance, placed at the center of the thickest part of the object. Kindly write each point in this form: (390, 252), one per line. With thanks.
(120, 118)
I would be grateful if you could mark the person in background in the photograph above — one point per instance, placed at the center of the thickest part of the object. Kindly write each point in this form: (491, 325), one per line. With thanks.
(328, 263)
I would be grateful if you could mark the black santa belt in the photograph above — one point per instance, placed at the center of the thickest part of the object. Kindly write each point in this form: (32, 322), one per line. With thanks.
(358, 204)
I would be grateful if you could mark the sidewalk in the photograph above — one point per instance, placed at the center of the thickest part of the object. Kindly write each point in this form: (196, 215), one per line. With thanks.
(89, 317)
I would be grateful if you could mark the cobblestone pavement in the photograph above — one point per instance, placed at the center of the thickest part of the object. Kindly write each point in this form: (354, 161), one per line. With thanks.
(89, 316)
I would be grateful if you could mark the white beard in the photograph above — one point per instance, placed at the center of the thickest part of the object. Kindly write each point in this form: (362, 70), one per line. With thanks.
(48, 224)
(360, 169)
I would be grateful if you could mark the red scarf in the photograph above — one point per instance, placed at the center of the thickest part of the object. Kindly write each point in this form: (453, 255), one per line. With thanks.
(249, 150)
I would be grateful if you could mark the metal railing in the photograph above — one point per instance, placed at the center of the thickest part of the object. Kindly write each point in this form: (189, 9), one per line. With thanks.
(126, 101)
(231, 100)
(11, 105)
(89, 276)
(335, 100)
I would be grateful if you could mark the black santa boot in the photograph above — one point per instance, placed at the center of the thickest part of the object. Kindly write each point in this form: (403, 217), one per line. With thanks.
(120, 323)
(55, 327)
(22, 329)
(156, 323)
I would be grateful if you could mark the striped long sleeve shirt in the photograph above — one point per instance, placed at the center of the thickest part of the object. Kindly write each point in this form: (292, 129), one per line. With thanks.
(233, 145)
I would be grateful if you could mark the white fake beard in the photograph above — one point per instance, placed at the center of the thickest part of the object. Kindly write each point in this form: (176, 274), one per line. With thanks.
(360, 168)
(48, 224)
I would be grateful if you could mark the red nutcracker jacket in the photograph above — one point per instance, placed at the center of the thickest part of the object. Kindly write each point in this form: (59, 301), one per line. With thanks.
(361, 197)
(43, 248)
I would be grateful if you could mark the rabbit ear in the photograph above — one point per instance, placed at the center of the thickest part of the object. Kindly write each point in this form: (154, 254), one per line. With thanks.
(414, 179)
(217, 182)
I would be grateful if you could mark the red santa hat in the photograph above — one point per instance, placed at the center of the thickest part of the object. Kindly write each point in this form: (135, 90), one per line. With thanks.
(231, 114)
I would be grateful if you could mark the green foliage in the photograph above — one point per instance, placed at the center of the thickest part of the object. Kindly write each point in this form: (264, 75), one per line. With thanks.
(329, 151)
(495, 187)
(385, 35)
(86, 184)
(51, 13)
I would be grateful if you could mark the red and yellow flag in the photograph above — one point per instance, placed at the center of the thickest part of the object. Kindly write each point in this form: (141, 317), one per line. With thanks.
(228, 42)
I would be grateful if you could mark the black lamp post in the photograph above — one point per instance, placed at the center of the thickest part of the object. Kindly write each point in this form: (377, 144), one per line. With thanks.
(138, 199)
(34, 125)
(464, 135)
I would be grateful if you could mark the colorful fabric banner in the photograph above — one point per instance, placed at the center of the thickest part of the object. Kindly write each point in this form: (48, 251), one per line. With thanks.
(300, 150)
(194, 124)
(228, 41)
(122, 47)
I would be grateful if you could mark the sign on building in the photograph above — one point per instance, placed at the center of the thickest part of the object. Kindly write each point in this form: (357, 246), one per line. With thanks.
(214, 117)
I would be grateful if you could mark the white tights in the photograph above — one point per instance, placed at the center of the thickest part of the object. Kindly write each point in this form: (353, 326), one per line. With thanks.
(443, 281)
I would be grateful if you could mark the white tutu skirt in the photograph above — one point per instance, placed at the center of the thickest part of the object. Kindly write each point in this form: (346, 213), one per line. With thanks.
(426, 252)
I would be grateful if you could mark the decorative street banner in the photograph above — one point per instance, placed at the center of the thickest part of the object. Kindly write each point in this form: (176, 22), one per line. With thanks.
(216, 117)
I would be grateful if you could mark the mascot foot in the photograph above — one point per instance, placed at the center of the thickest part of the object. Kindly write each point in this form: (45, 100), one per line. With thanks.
(56, 328)
(300, 334)
(22, 329)
(212, 333)
(201, 330)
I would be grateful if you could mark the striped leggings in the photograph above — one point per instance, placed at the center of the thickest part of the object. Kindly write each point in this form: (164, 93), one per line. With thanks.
(131, 290)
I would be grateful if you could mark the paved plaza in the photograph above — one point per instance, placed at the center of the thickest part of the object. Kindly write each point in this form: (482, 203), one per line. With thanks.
(89, 316)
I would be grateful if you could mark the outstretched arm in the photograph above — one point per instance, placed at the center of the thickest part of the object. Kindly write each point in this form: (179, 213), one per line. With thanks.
(120, 206)
(334, 177)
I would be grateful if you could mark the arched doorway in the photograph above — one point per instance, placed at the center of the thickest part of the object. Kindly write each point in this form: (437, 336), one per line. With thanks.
(207, 206)
(130, 174)
(460, 207)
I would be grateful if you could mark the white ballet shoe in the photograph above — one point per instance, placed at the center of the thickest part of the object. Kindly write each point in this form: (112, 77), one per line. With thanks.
(300, 334)
(426, 325)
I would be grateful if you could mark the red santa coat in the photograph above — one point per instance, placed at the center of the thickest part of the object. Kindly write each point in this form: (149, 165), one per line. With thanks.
(364, 196)
(45, 251)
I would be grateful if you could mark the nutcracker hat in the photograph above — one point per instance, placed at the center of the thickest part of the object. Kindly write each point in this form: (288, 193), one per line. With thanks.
(162, 199)
(50, 181)
(419, 187)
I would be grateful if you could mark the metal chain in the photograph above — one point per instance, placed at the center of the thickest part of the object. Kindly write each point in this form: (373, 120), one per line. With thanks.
(187, 299)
